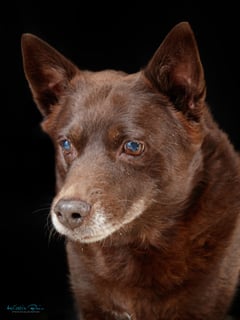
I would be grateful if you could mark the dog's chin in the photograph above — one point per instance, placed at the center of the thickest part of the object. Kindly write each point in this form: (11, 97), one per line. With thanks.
(99, 227)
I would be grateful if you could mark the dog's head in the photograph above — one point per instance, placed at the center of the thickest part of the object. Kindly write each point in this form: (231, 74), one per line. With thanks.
(128, 147)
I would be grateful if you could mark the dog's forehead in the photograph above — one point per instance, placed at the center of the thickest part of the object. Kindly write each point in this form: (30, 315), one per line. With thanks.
(110, 102)
(96, 87)
(106, 93)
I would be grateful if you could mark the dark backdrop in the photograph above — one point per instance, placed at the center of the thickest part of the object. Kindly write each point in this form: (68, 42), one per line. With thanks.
(33, 265)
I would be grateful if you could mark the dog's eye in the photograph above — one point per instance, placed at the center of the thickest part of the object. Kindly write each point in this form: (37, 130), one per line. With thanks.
(68, 151)
(66, 145)
(133, 148)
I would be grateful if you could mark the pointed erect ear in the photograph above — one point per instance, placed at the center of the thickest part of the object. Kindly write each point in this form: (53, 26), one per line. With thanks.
(176, 71)
(48, 72)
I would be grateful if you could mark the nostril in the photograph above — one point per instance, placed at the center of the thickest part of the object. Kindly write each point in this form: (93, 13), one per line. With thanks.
(76, 216)
(58, 214)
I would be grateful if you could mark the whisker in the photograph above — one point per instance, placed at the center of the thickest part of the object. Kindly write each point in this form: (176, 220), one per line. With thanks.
(49, 230)
(52, 235)
(45, 207)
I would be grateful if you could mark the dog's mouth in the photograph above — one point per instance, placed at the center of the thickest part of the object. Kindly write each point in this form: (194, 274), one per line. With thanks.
(93, 224)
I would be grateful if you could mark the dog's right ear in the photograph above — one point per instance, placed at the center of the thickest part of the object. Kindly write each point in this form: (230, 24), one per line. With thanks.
(48, 72)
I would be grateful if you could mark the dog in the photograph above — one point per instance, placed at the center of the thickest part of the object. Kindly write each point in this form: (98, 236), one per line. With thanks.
(147, 183)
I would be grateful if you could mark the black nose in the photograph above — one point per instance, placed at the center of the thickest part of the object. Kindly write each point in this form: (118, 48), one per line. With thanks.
(71, 212)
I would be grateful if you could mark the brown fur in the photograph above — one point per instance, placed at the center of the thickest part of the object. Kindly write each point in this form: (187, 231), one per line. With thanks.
(152, 233)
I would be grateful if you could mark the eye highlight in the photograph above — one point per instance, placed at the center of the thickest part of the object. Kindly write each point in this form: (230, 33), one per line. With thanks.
(133, 148)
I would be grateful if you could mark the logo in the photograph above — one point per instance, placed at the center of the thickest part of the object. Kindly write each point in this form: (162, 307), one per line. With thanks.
(22, 308)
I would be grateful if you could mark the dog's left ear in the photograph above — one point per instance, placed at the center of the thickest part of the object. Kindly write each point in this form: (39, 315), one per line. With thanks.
(176, 71)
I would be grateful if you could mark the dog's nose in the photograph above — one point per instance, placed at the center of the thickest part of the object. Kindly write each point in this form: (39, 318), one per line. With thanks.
(71, 212)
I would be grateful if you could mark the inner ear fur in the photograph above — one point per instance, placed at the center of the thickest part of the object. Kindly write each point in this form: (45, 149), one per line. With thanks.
(176, 71)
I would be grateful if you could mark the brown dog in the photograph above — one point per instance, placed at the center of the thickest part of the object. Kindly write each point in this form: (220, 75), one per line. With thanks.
(148, 186)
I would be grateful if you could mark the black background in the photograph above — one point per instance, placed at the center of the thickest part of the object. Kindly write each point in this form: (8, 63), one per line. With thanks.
(95, 37)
